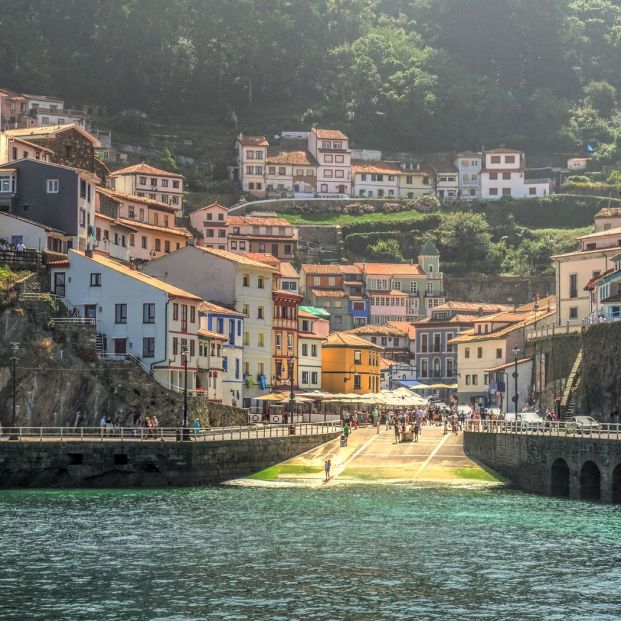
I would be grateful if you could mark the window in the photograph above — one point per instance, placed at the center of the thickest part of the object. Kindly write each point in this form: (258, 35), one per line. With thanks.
(324, 187)
(304, 377)
(475, 379)
(144, 242)
(479, 352)
(175, 311)
(339, 159)
(132, 239)
(314, 351)
(184, 318)
(357, 356)
(258, 170)
(506, 191)
(193, 314)
(328, 174)
(96, 280)
(53, 186)
(506, 176)
(328, 158)
(246, 280)
(175, 184)
(245, 309)
(166, 246)
(499, 352)
(573, 285)
(120, 313)
(148, 313)
(357, 382)
(261, 339)
(495, 159)
(509, 159)
(305, 349)
(246, 339)
(493, 176)
(424, 368)
(339, 174)
(260, 282)
(573, 312)
(260, 312)
(467, 352)
(493, 191)
(148, 347)
(142, 180)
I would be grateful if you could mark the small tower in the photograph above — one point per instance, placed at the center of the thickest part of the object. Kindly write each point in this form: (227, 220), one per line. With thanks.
(429, 258)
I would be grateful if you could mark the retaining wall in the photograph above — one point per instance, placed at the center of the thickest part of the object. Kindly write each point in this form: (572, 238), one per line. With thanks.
(151, 463)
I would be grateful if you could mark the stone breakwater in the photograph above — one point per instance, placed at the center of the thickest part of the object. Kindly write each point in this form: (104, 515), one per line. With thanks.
(151, 463)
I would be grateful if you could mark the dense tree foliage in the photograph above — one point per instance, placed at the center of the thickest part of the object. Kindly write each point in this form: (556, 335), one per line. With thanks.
(410, 74)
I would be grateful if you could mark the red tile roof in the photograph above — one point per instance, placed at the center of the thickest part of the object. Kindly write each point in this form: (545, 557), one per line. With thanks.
(210, 307)
(503, 150)
(317, 268)
(330, 134)
(328, 293)
(344, 339)
(253, 141)
(145, 200)
(364, 166)
(263, 257)
(145, 169)
(288, 271)
(256, 221)
(296, 158)
(389, 269)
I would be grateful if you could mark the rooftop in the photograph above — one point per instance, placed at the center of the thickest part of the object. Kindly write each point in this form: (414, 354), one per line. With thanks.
(329, 134)
(609, 212)
(253, 141)
(46, 130)
(210, 206)
(319, 268)
(132, 273)
(211, 334)
(235, 258)
(328, 293)
(45, 227)
(345, 339)
(378, 330)
(256, 221)
(296, 158)
(503, 150)
(145, 169)
(614, 231)
(320, 313)
(288, 271)
(390, 269)
(474, 307)
(216, 309)
(175, 230)
(145, 200)
(374, 167)
(405, 326)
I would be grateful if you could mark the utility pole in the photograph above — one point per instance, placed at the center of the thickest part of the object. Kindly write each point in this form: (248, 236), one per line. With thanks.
(516, 351)
(14, 349)
(290, 370)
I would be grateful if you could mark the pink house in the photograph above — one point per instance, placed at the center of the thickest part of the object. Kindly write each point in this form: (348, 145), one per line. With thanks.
(211, 222)
(388, 305)
(14, 111)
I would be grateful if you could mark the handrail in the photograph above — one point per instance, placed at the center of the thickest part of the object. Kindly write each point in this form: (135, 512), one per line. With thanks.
(601, 431)
(164, 434)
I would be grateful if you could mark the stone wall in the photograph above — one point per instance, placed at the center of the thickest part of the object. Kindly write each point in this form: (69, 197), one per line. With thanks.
(527, 460)
(599, 393)
(151, 463)
(499, 289)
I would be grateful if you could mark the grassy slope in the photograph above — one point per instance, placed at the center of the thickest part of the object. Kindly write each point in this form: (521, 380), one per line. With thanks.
(402, 217)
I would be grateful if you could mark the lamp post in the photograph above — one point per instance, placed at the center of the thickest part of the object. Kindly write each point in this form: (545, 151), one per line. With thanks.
(184, 358)
(14, 349)
(290, 370)
(516, 351)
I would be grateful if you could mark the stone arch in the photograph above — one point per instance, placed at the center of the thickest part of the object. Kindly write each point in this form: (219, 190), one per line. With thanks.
(590, 481)
(616, 484)
(559, 478)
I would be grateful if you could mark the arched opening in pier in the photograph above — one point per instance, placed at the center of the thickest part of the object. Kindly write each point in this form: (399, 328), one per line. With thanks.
(590, 482)
(560, 479)
(616, 484)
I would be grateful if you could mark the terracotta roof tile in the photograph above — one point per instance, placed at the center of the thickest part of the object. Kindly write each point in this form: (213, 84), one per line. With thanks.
(253, 141)
(389, 269)
(374, 167)
(145, 200)
(138, 224)
(263, 257)
(474, 307)
(340, 339)
(46, 130)
(210, 307)
(235, 258)
(392, 292)
(211, 334)
(328, 293)
(379, 330)
(406, 326)
(145, 169)
(287, 270)
(318, 268)
(503, 150)
(295, 158)
(330, 134)
(256, 221)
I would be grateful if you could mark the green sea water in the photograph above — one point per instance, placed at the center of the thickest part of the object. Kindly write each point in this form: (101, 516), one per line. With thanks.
(289, 553)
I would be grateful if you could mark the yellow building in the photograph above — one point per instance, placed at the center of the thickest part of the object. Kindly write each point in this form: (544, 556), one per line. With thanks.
(350, 364)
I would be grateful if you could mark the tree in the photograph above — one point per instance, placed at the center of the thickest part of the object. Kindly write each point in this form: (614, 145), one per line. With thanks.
(465, 239)
(602, 96)
(386, 250)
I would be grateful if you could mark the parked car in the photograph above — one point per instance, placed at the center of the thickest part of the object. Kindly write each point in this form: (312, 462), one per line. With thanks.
(525, 420)
(582, 424)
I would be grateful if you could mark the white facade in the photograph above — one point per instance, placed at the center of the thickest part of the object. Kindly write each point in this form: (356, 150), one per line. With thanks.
(135, 314)
(331, 150)
(33, 235)
(251, 158)
(148, 181)
(469, 167)
(375, 179)
(309, 361)
(230, 280)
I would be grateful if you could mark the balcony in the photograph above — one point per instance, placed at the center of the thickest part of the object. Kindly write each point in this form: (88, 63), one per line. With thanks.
(435, 294)
(435, 275)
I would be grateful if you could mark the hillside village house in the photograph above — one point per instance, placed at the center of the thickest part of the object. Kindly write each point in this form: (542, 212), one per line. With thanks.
(13, 110)
(57, 196)
(309, 351)
(330, 148)
(68, 145)
(486, 347)
(289, 279)
(607, 293)
(576, 270)
(285, 337)
(154, 183)
(211, 222)
(229, 324)
(209, 363)
(503, 175)
(608, 218)
(447, 180)
(469, 165)
(394, 339)
(13, 148)
(375, 179)
(404, 291)
(349, 364)
(264, 234)
(136, 227)
(135, 314)
(291, 173)
(251, 159)
(236, 282)
(52, 111)
(34, 235)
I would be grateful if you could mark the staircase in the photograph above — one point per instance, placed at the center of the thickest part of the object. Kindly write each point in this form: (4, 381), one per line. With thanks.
(568, 400)
(99, 345)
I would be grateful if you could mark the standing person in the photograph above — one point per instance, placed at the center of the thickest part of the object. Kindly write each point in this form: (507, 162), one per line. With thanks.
(326, 466)
(416, 430)
(396, 426)
(20, 247)
(197, 426)
(346, 432)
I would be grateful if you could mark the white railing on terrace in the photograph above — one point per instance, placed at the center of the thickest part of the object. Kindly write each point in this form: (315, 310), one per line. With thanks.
(551, 329)
(73, 321)
(164, 434)
(601, 431)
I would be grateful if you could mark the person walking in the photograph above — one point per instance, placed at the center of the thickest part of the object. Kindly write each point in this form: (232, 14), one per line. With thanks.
(397, 430)
(416, 430)
(326, 466)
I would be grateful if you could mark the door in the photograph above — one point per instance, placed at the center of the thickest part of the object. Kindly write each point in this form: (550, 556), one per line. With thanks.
(275, 250)
(120, 346)
(90, 311)
(59, 284)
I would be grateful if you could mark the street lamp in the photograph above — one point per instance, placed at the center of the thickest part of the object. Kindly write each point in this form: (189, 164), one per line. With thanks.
(14, 350)
(516, 351)
(291, 369)
(184, 359)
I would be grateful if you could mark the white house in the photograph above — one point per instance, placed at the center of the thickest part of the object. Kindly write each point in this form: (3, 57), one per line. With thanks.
(34, 235)
(447, 180)
(309, 352)
(375, 179)
(469, 165)
(135, 314)
(330, 148)
(503, 176)
(154, 183)
(235, 281)
(291, 173)
(251, 158)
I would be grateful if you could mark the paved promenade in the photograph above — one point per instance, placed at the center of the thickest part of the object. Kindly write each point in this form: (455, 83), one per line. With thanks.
(376, 458)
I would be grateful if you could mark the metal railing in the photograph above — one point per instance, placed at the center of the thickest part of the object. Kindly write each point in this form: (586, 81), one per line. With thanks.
(72, 321)
(603, 431)
(164, 434)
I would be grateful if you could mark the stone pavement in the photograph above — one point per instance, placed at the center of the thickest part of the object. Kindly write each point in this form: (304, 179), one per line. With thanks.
(376, 458)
